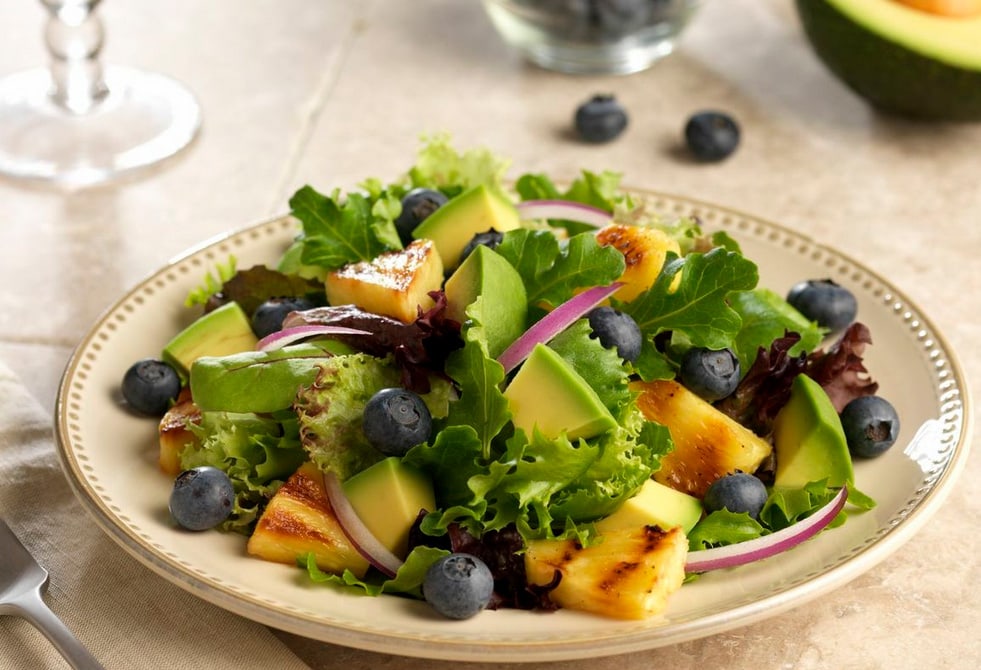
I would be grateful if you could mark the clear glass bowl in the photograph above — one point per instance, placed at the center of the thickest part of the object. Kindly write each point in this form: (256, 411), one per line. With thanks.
(592, 36)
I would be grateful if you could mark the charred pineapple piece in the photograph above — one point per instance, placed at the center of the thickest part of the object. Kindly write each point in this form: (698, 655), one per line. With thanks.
(299, 520)
(173, 433)
(394, 284)
(628, 574)
(643, 249)
(707, 443)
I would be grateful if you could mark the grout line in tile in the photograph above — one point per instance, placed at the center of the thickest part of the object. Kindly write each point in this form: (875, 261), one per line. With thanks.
(311, 111)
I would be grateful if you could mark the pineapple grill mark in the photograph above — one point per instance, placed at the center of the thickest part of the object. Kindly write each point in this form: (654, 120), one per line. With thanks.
(307, 493)
(615, 238)
(619, 572)
(392, 270)
(708, 444)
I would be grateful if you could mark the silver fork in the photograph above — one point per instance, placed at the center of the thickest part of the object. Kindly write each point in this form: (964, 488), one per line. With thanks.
(21, 582)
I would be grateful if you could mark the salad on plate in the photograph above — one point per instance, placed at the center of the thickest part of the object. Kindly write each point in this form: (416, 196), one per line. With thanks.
(491, 393)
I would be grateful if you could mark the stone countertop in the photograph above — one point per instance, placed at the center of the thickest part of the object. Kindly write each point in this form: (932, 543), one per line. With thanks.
(326, 93)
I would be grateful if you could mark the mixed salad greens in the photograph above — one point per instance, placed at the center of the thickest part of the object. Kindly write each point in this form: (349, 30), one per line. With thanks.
(498, 487)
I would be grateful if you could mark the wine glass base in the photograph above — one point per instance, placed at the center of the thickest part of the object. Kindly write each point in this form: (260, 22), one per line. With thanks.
(142, 119)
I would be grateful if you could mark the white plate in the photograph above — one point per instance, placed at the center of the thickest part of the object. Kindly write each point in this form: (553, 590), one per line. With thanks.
(109, 457)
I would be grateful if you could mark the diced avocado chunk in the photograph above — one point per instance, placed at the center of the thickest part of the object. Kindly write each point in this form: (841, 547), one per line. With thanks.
(548, 394)
(655, 505)
(388, 497)
(487, 275)
(225, 330)
(808, 438)
(257, 381)
(474, 211)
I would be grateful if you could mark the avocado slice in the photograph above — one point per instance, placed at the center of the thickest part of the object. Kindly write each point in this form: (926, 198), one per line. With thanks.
(655, 505)
(548, 394)
(901, 59)
(487, 275)
(476, 210)
(225, 330)
(388, 497)
(808, 439)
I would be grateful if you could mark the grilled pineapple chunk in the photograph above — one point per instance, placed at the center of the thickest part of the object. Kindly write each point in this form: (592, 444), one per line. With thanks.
(394, 284)
(173, 435)
(629, 574)
(300, 520)
(707, 443)
(643, 249)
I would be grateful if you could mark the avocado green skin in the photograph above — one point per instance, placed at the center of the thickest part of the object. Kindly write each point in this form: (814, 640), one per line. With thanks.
(890, 76)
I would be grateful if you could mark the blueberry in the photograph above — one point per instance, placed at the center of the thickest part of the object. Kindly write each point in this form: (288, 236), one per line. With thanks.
(614, 329)
(871, 425)
(739, 492)
(822, 300)
(395, 420)
(150, 385)
(417, 204)
(600, 119)
(458, 586)
(711, 136)
(201, 498)
(268, 317)
(710, 373)
(491, 238)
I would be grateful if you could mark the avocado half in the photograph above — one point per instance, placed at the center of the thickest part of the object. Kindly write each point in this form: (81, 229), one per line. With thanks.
(902, 60)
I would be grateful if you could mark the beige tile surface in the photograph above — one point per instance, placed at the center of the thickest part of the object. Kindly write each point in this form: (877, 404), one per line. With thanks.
(327, 93)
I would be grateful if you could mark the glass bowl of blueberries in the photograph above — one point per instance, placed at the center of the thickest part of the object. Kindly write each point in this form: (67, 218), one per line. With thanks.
(592, 36)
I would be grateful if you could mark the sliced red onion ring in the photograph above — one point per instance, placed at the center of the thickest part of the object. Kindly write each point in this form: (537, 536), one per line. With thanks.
(363, 540)
(281, 338)
(769, 545)
(564, 210)
(554, 323)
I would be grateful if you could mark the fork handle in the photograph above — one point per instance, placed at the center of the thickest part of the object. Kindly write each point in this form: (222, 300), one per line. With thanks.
(33, 608)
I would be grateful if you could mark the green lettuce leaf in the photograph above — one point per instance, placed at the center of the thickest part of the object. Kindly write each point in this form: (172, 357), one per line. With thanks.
(338, 231)
(552, 272)
(330, 410)
(691, 300)
(479, 377)
(257, 452)
(441, 166)
(407, 581)
(766, 316)
(602, 368)
(723, 527)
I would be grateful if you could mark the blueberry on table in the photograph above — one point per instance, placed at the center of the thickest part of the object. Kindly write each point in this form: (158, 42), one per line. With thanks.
(417, 204)
(822, 300)
(490, 239)
(150, 385)
(395, 420)
(710, 373)
(600, 119)
(615, 329)
(739, 492)
(201, 498)
(871, 425)
(458, 586)
(711, 136)
(268, 317)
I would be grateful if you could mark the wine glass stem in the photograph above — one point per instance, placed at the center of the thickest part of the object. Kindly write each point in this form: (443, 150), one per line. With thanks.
(74, 37)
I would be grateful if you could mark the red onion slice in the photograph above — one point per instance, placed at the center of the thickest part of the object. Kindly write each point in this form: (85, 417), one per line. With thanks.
(564, 210)
(286, 336)
(769, 545)
(554, 323)
(363, 540)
